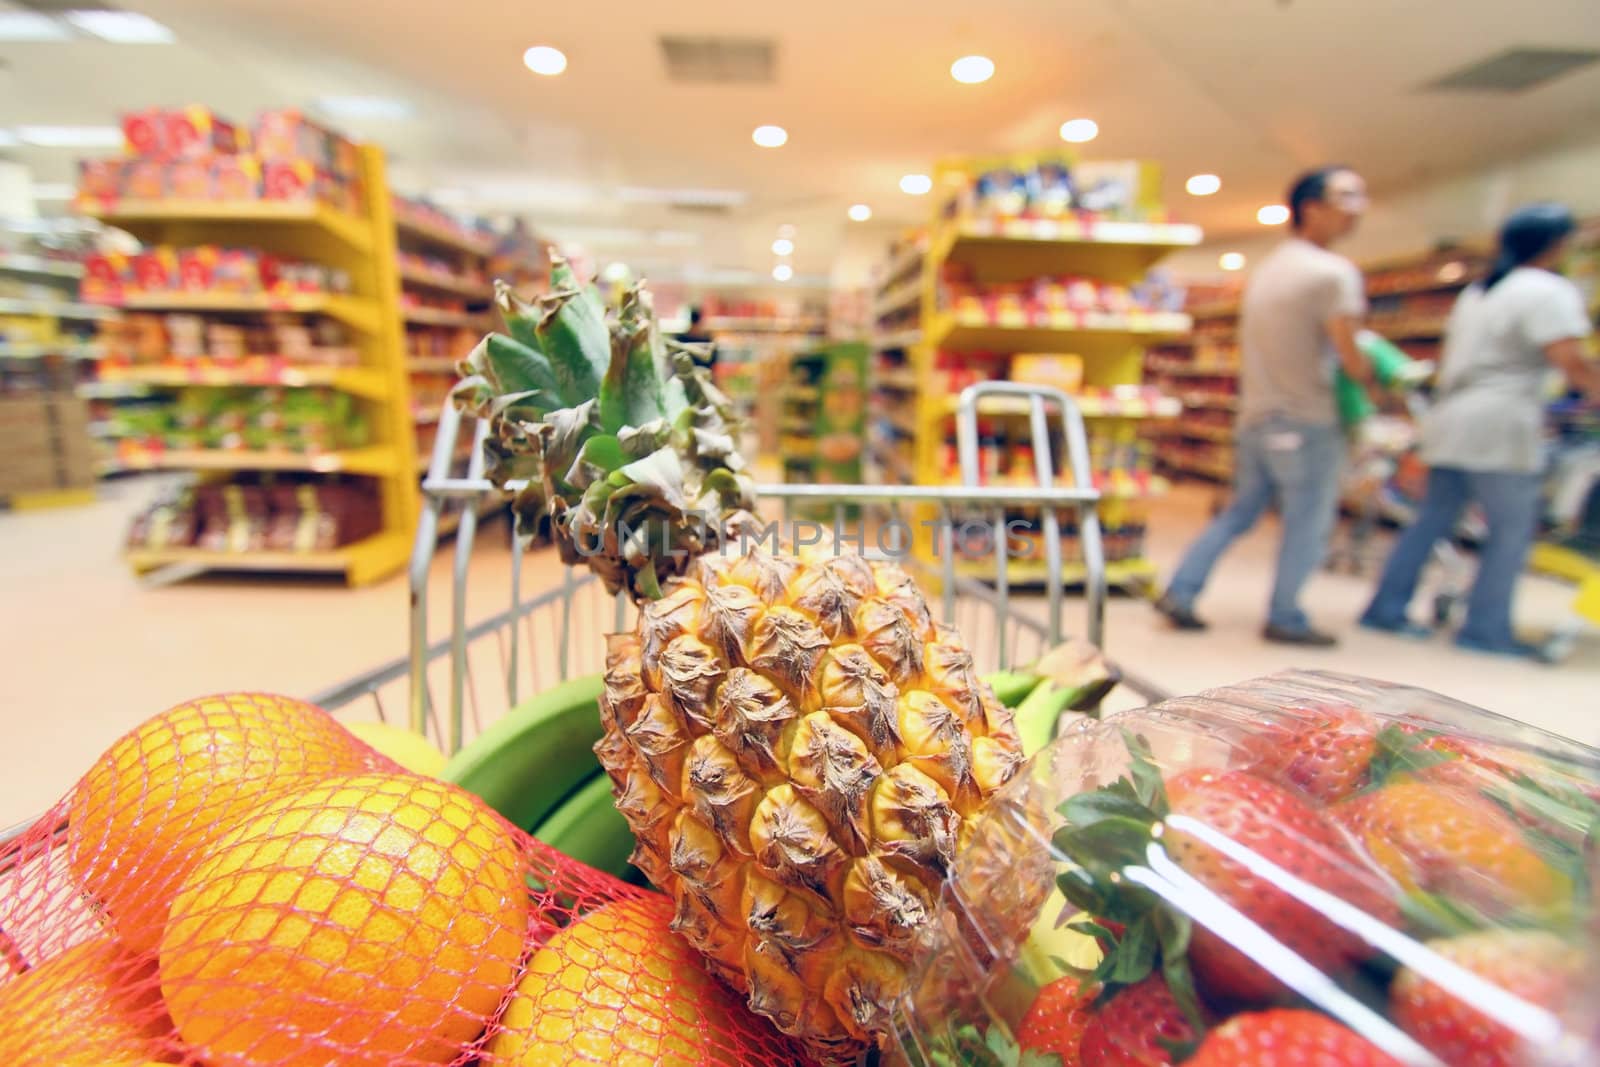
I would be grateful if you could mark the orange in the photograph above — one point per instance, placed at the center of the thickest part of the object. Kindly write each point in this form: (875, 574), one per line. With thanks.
(617, 987)
(93, 1005)
(370, 920)
(157, 800)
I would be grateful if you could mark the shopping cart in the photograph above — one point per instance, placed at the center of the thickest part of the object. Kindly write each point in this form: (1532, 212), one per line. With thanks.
(485, 668)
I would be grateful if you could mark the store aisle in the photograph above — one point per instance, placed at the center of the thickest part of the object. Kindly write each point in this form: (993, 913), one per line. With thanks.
(90, 651)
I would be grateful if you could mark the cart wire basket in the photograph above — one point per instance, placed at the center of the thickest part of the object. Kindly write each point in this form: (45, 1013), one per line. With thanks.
(450, 689)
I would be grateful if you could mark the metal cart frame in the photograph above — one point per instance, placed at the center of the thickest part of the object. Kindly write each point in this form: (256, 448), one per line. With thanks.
(1015, 632)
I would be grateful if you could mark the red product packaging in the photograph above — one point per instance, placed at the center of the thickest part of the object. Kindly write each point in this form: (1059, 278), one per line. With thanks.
(155, 271)
(145, 180)
(101, 179)
(104, 276)
(197, 132)
(236, 270)
(197, 268)
(236, 178)
(287, 134)
(288, 179)
(143, 134)
(189, 179)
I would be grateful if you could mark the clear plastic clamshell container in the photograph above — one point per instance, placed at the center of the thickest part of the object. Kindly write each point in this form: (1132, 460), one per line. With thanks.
(1307, 868)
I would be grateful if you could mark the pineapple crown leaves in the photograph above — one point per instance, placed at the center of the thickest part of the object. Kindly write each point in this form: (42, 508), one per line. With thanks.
(622, 441)
(1108, 830)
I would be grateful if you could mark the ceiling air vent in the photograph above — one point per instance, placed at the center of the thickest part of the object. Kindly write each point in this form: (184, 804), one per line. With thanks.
(719, 60)
(1513, 71)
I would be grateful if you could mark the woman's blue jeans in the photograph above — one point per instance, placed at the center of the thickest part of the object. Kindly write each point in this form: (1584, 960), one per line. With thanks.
(1510, 502)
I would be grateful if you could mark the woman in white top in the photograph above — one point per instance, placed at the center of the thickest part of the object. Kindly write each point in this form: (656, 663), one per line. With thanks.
(1483, 440)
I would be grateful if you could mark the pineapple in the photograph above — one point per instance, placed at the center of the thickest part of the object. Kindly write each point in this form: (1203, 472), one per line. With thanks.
(798, 747)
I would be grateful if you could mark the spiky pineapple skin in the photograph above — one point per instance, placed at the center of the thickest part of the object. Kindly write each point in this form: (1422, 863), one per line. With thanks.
(798, 749)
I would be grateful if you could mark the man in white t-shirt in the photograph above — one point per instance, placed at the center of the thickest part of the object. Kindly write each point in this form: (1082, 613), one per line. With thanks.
(1297, 325)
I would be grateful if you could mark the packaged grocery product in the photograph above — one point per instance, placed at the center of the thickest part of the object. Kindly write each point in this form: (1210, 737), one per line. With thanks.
(142, 133)
(144, 179)
(235, 178)
(101, 179)
(197, 132)
(286, 134)
(189, 179)
(156, 270)
(1306, 861)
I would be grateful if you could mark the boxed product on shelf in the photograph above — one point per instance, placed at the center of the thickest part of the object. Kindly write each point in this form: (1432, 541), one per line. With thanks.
(271, 513)
(1305, 861)
(251, 418)
(44, 442)
(168, 134)
(1064, 372)
(110, 277)
(286, 135)
(1054, 185)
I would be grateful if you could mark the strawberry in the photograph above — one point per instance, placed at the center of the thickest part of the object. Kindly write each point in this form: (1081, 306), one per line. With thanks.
(1444, 840)
(1056, 1019)
(1534, 965)
(1278, 826)
(1287, 1037)
(1329, 763)
(1140, 1026)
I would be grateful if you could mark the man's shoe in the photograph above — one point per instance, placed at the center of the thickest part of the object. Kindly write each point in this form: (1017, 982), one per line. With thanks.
(1180, 616)
(1304, 636)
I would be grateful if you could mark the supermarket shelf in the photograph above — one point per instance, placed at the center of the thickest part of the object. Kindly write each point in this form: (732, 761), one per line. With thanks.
(740, 324)
(1036, 571)
(1092, 407)
(431, 365)
(903, 380)
(56, 309)
(353, 311)
(904, 263)
(440, 282)
(1079, 331)
(38, 351)
(372, 460)
(39, 266)
(357, 380)
(441, 236)
(1180, 370)
(421, 316)
(144, 218)
(897, 339)
(1208, 468)
(1200, 432)
(1021, 248)
(1210, 401)
(360, 562)
(900, 298)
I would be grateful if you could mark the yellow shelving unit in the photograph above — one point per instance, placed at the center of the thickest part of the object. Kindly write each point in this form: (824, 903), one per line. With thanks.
(463, 274)
(912, 398)
(362, 246)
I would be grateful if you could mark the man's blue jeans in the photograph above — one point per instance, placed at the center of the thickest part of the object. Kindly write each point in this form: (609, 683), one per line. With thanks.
(1510, 502)
(1297, 464)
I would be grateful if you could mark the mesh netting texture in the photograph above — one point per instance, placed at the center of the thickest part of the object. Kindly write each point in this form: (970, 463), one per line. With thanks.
(240, 882)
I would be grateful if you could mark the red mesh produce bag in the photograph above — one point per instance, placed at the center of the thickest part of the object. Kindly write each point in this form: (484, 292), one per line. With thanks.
(321, 906)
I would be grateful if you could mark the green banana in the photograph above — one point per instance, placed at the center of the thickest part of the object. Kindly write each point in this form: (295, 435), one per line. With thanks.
(588, 827)
(526, 763)
(1036, 716)
(1010, 687)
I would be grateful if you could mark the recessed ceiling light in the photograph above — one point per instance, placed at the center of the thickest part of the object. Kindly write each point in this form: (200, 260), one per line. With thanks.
(970, 70)
(1202, 184)
(782, 247)
(71, 136)
(542, 59)
(859, 213)
(916, 184)
(1272, 215)
(782, 272)
(27, 27)
(121, 27)
(1231, 261)
(615, 272)
(355, 108)
(1079, 131)
(770, 136)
